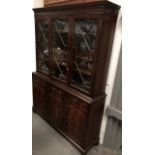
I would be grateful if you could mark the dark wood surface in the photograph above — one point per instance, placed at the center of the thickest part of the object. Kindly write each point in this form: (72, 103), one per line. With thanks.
(76, 114)
(98, 7)
(76, 119)
(68, 2)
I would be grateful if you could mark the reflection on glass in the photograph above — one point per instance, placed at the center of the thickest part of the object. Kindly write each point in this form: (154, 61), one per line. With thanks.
(43, 46)
(59, 49)
(84, 47)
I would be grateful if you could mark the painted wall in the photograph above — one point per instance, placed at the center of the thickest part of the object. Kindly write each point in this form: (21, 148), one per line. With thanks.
(38, 3)
(119, 2)
(112, 72)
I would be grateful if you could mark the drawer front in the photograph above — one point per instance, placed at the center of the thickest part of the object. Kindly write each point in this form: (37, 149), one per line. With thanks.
(84, 106)
(56, 91)
(40, 81)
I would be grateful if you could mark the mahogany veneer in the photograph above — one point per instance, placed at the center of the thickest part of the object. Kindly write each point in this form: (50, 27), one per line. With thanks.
(67, 2)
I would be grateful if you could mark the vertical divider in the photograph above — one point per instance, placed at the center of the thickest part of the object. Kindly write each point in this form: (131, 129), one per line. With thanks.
(70, 48)
(50, 44)
(99, 23)
(36, 42)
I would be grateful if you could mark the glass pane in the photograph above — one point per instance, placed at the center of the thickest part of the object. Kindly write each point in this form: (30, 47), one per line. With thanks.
(59, 49)
(43, 46)
(84, 48)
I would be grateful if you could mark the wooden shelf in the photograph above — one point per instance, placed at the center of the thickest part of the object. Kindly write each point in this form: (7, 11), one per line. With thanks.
(83, 54)
(83, 71)
(84, 58)
(60, 31)
(84, 33)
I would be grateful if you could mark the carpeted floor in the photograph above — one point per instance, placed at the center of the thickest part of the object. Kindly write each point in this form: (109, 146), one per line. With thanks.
(46, 141)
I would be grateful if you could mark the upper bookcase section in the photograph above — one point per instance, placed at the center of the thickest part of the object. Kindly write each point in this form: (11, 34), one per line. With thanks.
(74, 42)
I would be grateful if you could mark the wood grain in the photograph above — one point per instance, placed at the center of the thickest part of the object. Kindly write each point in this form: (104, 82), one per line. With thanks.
(62, 2)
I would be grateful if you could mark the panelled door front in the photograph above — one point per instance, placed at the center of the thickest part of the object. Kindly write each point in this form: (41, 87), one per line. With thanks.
(84, 46)
(40, 98)
(55, 106)
(59, 49)
(42, 44)
(74, 119)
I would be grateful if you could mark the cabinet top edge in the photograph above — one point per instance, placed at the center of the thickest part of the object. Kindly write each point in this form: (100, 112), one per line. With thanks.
(98, 5)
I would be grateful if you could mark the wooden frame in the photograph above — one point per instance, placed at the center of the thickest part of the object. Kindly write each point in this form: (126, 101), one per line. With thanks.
(64, 2)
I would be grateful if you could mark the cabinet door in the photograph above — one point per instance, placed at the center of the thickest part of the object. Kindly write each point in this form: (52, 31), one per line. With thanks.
(40, 99)
(84, 44)
(55, 108)
(42, 40)
(74, 121)
(59, 49)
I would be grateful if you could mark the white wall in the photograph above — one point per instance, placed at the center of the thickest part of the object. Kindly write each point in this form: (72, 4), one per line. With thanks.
(112, 71)
(113, 67)
(38, 3)
(119, 2)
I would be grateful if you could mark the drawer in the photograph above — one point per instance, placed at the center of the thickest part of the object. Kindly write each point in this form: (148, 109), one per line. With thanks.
(77, 102)
(40, 81)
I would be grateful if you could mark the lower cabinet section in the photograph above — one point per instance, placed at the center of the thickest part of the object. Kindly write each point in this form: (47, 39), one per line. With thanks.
(71, 115)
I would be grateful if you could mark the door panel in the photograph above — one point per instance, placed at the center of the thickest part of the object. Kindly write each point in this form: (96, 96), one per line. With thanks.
(74, 121)
(42, 26)
(55, 110)
(59, 51)
(40, 99)
(84, 43)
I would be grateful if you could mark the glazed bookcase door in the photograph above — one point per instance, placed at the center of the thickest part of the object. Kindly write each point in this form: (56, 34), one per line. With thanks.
(59, 49)
(42, 26)
(84, 42)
